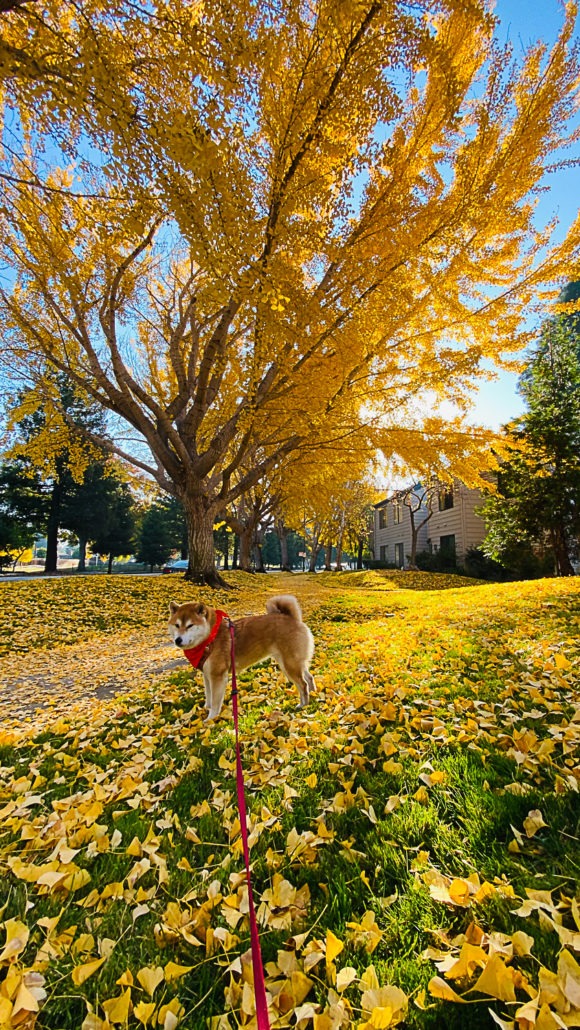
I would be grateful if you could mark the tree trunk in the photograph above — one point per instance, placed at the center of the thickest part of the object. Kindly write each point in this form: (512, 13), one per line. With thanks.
(564, 566)
(338, 563)
(245, 553)
(328, 558)
(283, 538)
(200, 544)
(52, 527)
(82, 565)
(259, 557)
(315, 549)
(359, 554)
(236, 551)
(414, 538)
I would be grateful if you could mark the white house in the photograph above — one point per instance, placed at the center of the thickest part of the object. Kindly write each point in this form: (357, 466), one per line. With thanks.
(452, 525)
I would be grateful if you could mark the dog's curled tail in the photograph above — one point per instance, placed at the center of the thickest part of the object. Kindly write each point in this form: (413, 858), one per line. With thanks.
(284, 604)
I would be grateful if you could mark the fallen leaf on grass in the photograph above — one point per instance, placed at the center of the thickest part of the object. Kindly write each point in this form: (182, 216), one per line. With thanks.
(533, 822)
(384, 1007)
(83, 972)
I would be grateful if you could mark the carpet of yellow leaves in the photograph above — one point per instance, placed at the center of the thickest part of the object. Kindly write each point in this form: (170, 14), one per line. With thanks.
(444, 708)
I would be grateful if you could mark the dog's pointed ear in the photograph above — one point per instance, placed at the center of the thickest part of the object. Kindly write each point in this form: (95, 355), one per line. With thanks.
(173, 606)
(202, 610)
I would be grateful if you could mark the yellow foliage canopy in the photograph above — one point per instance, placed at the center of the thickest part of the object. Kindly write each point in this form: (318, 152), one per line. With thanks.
(251, 234)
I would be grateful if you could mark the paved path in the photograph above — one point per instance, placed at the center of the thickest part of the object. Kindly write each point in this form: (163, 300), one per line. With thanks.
(43, 685)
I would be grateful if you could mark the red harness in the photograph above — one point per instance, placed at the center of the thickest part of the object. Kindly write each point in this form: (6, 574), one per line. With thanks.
(197, 655)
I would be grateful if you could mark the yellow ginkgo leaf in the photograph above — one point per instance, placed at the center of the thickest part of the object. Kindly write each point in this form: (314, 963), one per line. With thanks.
(533, 822)
(150, 977)
(369, 980)
(126, 979)
(345, 977)
(25, 1001)
(17, 934)
(459, 892)
(94, 1022)
(439, 988)
(144, 1011)
(561, 662)
(82, 973)
(117, 1009)
(173, 971)
(496, 980)
(522, 942)
(170, 1014)
(334, 946)
(386, 1006)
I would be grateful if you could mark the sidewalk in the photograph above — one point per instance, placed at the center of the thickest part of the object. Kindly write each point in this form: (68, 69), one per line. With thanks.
(40, 686)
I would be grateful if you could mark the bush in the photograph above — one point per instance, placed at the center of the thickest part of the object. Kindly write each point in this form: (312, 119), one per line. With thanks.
(377, 563)
(479, 566)
(440, 561)
(519, 562)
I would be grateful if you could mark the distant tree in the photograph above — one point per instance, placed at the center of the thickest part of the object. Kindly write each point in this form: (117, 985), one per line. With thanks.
(248, 519)
(271, 548)
(155, 539)
(538, 501)
(116, 536)
(52, 429)
(223, 540)
(176, 526)
(15, 537)
(23, 507)
(87, 507)
(418, 499)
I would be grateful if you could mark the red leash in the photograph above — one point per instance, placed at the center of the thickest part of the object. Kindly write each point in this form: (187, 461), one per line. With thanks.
(262, 1019)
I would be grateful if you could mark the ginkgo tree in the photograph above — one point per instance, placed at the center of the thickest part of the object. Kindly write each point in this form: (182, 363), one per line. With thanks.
(243, 227)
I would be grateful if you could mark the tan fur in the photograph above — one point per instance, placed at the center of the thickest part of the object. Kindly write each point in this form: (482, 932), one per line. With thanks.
(280, 634)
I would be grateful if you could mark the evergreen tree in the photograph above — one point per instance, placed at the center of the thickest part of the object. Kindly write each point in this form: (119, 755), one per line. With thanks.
(22, 509)
(116, 535)
(53, 441)
(155, 537)
(539, 490)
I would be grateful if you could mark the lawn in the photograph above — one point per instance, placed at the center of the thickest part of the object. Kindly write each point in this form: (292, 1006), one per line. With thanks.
(414, 832)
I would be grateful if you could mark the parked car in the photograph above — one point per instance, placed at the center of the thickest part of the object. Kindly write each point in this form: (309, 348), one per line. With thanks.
(180, 565)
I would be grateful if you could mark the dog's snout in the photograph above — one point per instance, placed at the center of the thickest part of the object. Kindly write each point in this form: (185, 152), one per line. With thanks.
(178, 641)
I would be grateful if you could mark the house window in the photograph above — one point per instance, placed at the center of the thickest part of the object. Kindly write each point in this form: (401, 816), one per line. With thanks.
(447, 544)
(382, 518)
(446, 499)
(397, 512)
(385, 552)
(399, 555)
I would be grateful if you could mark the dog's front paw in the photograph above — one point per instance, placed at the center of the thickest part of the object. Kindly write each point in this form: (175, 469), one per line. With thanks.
(211, 716)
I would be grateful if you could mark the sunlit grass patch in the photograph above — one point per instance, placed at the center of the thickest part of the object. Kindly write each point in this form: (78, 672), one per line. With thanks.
(419, 805)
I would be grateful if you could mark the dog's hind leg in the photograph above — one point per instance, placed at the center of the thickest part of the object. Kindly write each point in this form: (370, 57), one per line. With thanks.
(301, 677)
(217, 693)
(310, 681)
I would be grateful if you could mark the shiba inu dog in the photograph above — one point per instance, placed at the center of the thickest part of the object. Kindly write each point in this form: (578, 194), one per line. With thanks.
(203, 633)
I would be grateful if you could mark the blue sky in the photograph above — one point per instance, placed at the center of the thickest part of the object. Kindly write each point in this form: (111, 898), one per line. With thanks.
(523, 22)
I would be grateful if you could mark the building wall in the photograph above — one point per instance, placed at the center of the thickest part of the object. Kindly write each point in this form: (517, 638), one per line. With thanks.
(459, 521)
(394, 534)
